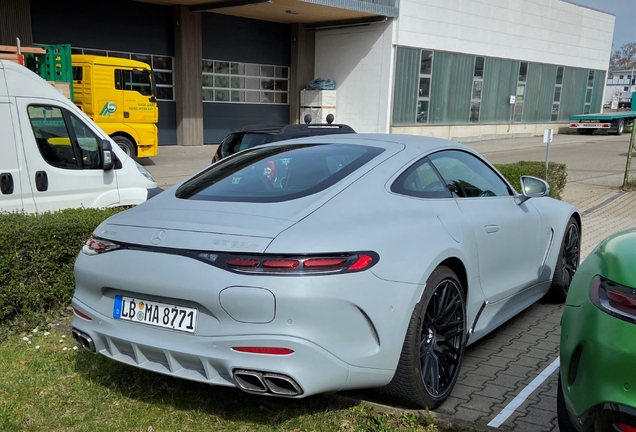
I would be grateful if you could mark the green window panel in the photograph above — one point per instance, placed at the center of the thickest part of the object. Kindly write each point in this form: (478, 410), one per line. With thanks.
(500, 82)
(537, 106)
(451, 88)
(597, 93)
(573, 92)
(407, 80)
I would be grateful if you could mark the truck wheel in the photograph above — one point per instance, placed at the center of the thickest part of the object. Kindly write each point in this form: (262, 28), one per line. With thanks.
(585, 131)
(620, 126)
(126, 145)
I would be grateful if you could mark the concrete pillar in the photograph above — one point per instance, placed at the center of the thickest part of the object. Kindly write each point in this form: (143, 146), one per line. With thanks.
(188, 76)
(15, 22)
(303, 58)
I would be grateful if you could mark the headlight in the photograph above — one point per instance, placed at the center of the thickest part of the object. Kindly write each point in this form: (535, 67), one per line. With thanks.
(96, 246)
(145, 173)
(613, 298)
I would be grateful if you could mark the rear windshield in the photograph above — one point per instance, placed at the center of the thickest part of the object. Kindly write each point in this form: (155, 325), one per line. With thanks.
(240, 141)
(277, 173)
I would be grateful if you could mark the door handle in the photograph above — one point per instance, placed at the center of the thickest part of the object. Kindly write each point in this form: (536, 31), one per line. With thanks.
(126, 114)
(41, 181)
(6, 183)
(491, 228)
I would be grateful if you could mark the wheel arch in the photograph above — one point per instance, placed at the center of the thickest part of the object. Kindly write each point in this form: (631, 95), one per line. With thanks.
(125, 135)
(457, 266)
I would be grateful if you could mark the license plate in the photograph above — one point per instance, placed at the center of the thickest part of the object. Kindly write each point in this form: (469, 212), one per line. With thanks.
(156, 314)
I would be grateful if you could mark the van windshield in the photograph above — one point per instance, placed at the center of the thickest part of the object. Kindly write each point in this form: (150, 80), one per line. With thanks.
(277, 173)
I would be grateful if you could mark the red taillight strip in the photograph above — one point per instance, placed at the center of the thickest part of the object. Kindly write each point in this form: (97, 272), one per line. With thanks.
(264, 350)
(82, 315)
(324, 262)
(362, 263)
(242, 262)
(624, 428)
(281, 264)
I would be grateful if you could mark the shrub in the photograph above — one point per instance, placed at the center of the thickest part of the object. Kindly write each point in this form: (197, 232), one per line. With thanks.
(37, 255)
(556, 178)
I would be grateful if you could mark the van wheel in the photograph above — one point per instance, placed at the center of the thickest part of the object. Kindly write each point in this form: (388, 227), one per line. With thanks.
(126, 145)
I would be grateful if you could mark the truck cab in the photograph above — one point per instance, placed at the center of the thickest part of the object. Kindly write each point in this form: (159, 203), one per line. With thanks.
(118, 94)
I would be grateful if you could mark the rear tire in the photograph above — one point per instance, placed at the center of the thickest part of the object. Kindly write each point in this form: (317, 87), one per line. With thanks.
(620, 126)
(434, 345)
(563, 418)
(585, 131)
(126, 145)
(567, 262)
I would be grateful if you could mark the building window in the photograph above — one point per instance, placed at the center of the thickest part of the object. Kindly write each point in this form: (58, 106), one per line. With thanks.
(225, 81)
(620, 76)
(162, 68)
(521, 91)
(625, 88)
(556, 103)
(588, 92)
(478, 85)
(424, 93)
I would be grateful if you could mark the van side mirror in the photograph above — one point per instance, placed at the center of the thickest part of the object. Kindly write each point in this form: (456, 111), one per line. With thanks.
(533, 187)
(107, 156)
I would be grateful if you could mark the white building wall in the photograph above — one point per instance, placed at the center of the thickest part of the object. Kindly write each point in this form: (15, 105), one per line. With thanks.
(360, 60)
(543, 31)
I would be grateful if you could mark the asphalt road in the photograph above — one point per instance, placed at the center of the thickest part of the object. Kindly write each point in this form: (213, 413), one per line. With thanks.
(498, 381)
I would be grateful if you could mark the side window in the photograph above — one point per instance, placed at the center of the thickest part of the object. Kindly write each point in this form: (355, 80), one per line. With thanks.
(421, 181)
(52, 136)
(467, 176)
(88, 144)
(136, 80)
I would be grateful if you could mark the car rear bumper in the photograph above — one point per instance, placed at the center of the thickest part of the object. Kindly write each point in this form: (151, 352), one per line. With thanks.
(346, 331)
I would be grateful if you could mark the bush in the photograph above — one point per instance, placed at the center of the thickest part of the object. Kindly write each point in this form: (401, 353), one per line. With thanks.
(37, 255)
(556, 178)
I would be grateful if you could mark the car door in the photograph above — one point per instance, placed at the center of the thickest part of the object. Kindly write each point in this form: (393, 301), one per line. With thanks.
(13, 196)
(64, 158)
(507, 234)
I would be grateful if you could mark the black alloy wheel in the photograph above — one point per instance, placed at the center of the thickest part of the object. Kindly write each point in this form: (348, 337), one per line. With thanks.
(441, 338)
(567, 264)
(434, 344)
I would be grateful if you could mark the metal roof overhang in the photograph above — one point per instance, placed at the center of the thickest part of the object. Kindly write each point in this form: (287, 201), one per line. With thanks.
(316, 14)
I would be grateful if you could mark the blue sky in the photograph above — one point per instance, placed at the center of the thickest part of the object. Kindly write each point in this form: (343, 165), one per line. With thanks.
(625, 11)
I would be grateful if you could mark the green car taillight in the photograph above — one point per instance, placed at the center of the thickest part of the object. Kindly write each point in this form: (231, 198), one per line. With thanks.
(615, 299)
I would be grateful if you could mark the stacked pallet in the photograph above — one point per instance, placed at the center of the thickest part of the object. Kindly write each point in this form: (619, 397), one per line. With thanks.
(13, 53)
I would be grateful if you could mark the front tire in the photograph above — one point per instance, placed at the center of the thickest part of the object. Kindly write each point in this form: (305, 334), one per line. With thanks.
(434, 344)
(126, 145)
(567, 263)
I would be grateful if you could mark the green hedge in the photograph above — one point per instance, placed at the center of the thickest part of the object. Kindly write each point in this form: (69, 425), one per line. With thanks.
(37, 254)
(556, 178)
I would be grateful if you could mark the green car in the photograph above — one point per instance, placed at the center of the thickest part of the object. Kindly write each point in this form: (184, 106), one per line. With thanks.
(597, 382)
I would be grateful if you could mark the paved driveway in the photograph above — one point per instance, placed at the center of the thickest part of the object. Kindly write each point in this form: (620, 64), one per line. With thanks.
(500, 372)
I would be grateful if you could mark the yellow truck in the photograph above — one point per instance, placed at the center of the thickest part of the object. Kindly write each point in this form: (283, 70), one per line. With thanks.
(118, 95)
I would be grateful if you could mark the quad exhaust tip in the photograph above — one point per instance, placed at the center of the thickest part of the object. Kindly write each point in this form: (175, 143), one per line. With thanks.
(84, 340)
(267, 382)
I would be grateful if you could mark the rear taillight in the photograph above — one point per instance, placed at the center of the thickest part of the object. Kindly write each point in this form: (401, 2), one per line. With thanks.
(264, 350)
(622, 427)
(96, 246)
(297, 265)
(615, 299)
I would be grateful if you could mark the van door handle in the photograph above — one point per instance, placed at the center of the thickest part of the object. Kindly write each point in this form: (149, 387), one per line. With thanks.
(6, 183)
(491, 228)
(41, 181)
(126, 114)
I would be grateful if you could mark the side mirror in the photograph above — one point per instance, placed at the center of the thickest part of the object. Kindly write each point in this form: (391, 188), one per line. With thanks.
(107, 156)
(533, 187)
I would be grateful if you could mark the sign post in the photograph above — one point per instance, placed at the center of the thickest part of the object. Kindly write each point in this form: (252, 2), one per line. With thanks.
(547, 139)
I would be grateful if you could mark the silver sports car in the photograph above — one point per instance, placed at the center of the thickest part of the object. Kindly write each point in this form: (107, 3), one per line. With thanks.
(324, 264)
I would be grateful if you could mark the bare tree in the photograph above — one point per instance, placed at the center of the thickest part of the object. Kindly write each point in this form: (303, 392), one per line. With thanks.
(624, 58)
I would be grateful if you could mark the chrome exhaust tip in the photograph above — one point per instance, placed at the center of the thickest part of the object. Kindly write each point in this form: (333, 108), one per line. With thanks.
(282, 384)
(84, 340)
(250, 381)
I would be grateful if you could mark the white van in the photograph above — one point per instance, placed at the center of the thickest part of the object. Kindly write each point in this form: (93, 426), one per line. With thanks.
(52, 156)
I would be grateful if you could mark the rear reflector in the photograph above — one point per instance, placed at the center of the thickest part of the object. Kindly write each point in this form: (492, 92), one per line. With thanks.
(82, 315)
(264, 350)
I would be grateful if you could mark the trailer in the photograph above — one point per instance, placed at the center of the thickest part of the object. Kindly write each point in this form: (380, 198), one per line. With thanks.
(614, 123)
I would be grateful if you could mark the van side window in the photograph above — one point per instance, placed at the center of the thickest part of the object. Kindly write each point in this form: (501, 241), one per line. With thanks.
(52, 136)
(137, 80)
(63, 139)
(88, 144)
